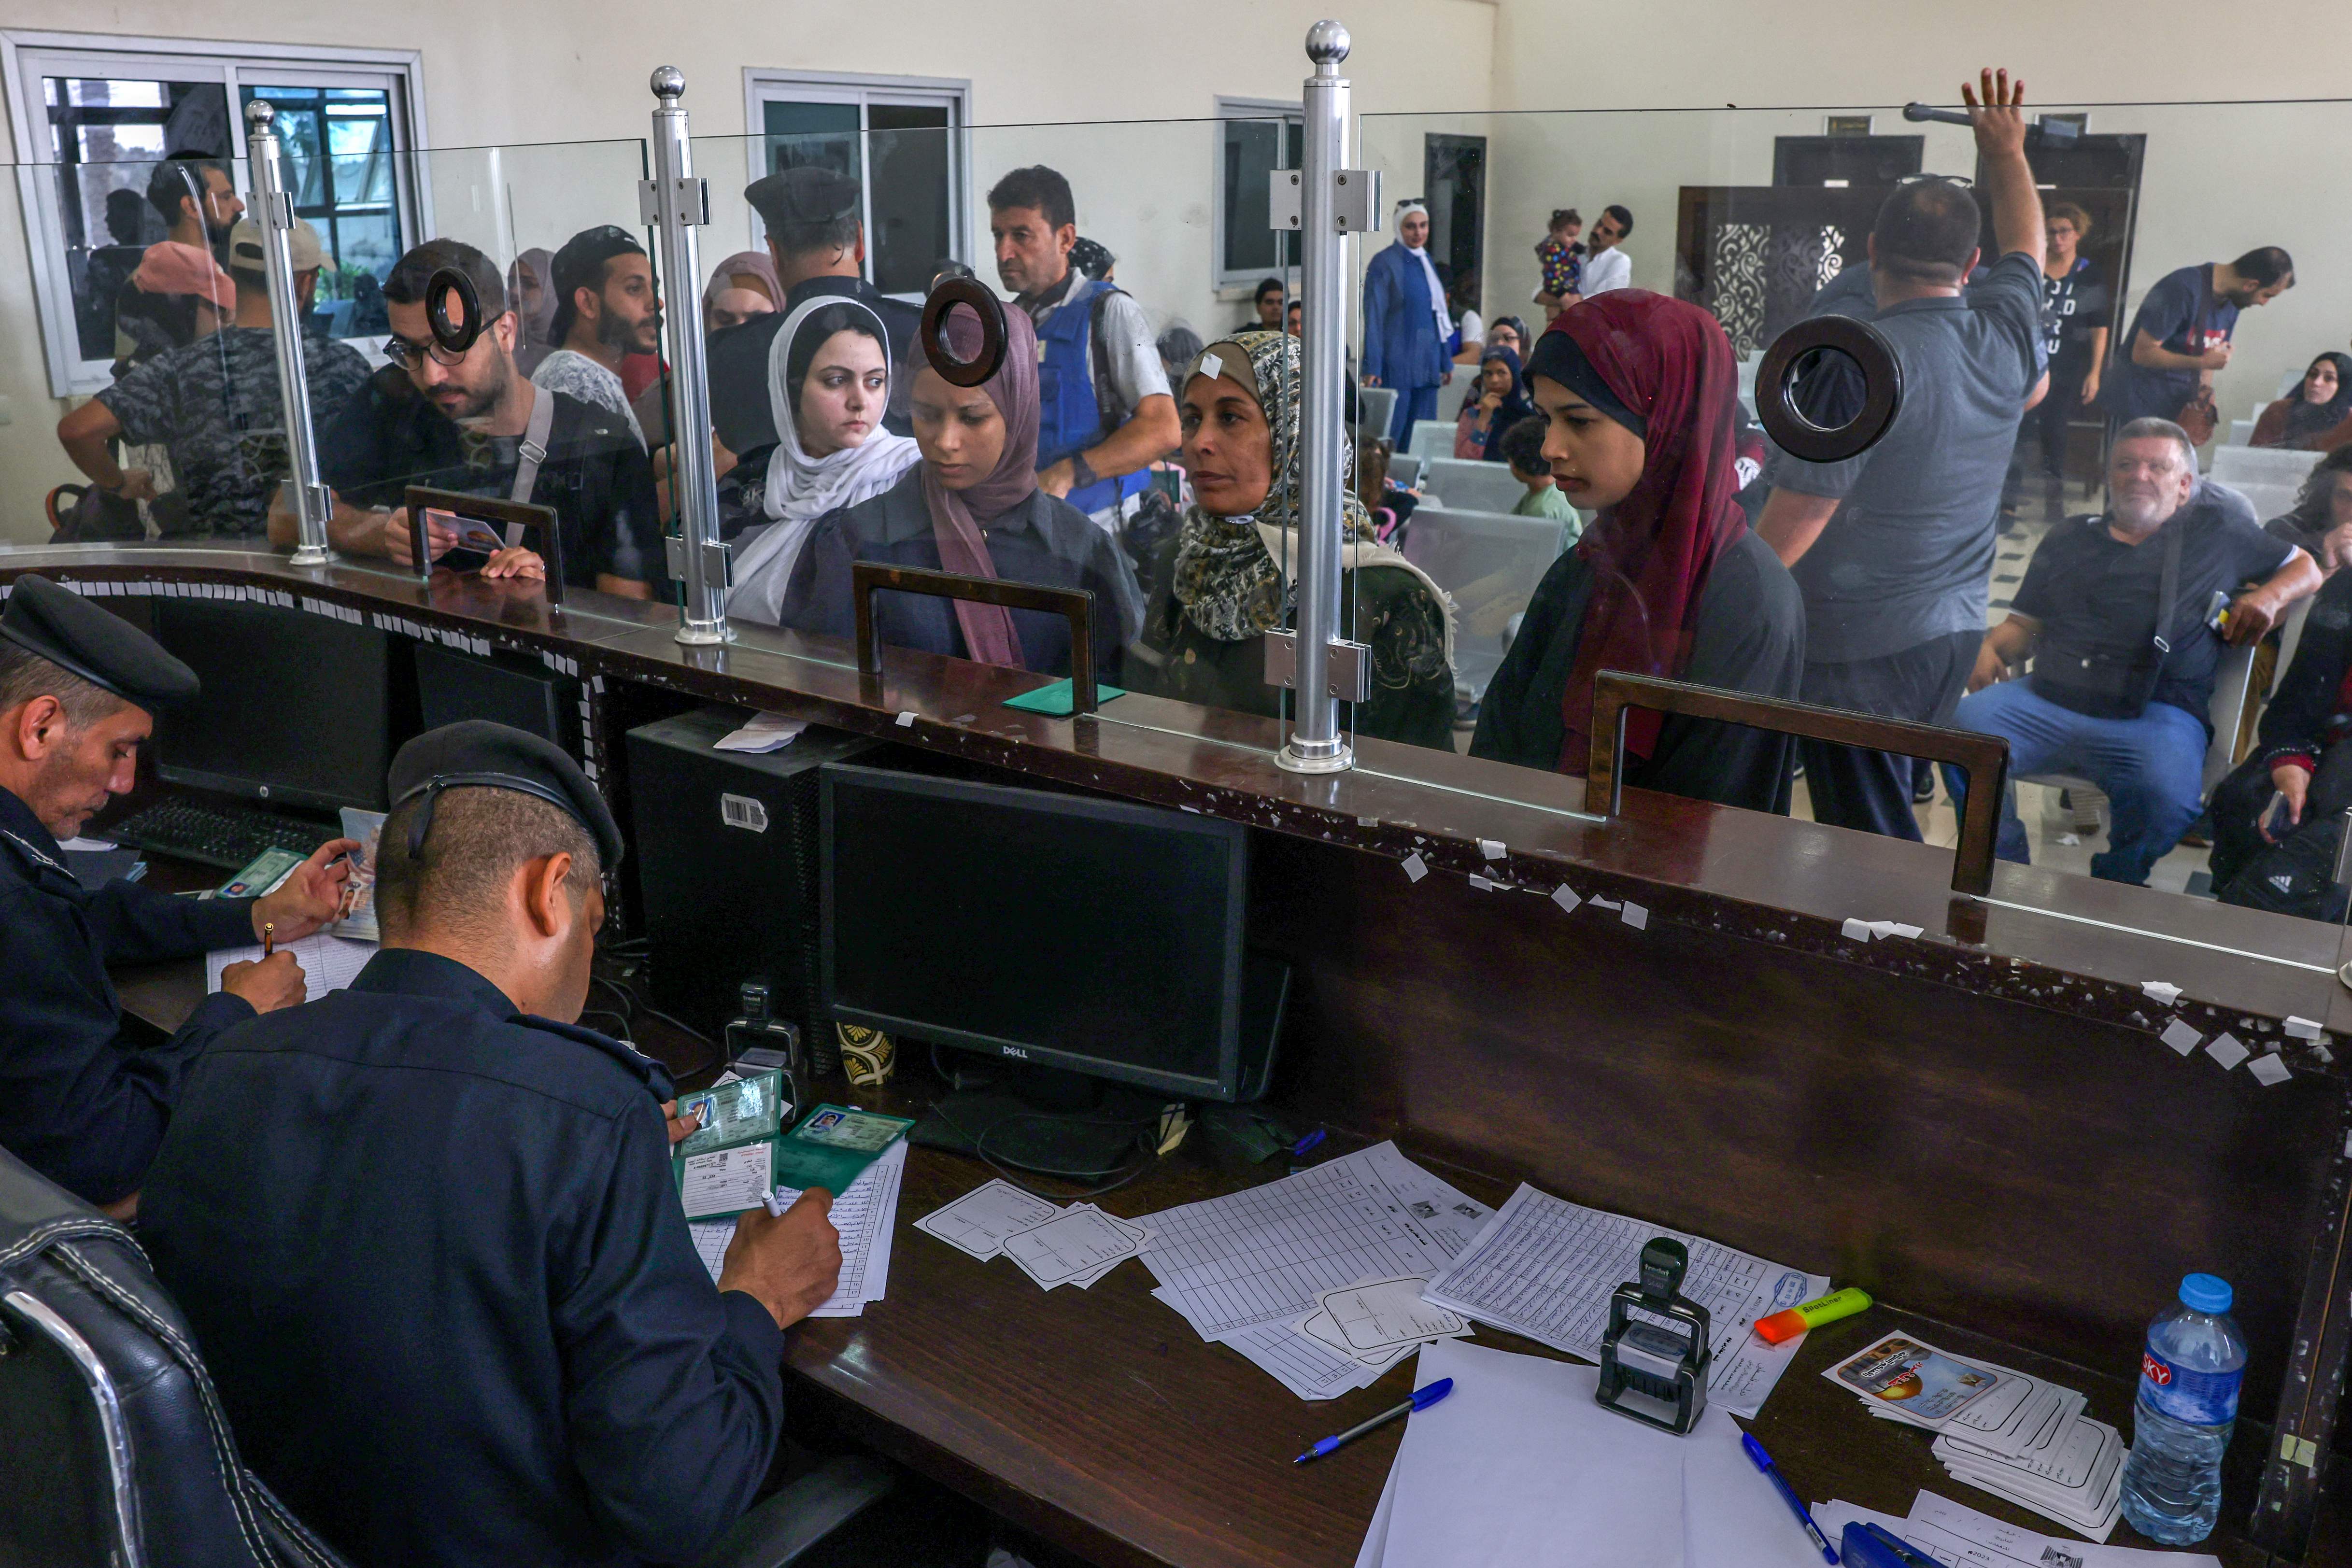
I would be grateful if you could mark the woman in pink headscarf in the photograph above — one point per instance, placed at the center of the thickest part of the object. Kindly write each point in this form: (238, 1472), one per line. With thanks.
(743, 286)
(972, 506)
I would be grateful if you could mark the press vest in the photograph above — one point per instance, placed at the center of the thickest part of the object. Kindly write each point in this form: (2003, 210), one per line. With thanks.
(1071, 415)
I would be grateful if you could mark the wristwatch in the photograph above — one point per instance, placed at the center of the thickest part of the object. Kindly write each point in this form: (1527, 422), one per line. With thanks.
(1081, 475)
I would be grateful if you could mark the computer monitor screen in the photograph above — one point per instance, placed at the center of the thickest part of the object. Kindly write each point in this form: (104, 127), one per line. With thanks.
(293, 710)
(1091, 935)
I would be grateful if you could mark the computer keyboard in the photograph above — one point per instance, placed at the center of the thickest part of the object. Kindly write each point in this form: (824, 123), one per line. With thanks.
(224, 836)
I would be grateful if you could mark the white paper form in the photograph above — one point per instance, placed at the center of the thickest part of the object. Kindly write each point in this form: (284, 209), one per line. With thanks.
(1079, 1241)
(865, 1215)
(1545, 1268)
(978, 1222)
(1520, 1465)
(1263, 1256)
(1375, 1315)
(328, 962)
(1963, 1537)
(725, 1181)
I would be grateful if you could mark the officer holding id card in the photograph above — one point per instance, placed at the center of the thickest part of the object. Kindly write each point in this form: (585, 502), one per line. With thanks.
(80, 1101)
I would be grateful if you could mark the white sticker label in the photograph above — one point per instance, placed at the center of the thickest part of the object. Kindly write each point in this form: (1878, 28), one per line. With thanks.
(2226, 1051)
(743, 811)
(906, 719)
(2157, 992)
(2180, 1037)
(1565, 896)
(1856, 930)
(1416, 868)
(2268, 1070)
(1635, 916)
(1492, 849)
(1211, 366)
(2302, 1028)
(1482, 884)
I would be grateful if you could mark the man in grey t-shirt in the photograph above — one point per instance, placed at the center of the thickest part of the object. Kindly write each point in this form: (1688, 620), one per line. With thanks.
(1893, 550)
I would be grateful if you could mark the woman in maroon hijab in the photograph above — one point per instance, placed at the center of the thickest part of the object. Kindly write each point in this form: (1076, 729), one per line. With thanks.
(972, 506)
(1638, 393)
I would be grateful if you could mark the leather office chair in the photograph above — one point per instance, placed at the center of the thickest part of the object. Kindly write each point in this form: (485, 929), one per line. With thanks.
(117, 1452)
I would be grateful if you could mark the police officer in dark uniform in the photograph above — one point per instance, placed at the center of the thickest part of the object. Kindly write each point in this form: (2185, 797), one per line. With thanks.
(816, 233)
(81, 1100)
(426, 1227)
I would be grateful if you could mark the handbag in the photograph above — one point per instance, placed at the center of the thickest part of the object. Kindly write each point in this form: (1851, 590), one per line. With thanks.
(2099, 682)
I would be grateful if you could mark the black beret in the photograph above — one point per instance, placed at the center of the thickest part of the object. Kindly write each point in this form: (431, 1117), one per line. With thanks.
(474, 753)
(802, 196)
(103, 649)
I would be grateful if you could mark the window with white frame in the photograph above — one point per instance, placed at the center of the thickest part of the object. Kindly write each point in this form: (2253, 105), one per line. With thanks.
(1255, 138)
(900, 138)
(100, 121)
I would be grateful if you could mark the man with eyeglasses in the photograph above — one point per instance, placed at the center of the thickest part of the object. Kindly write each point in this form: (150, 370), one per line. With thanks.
(472, 422)
(2119, 612)
(1893, 550)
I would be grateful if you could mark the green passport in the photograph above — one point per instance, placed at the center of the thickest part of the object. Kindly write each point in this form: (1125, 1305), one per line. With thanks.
(737, 1112)
(834, 1145)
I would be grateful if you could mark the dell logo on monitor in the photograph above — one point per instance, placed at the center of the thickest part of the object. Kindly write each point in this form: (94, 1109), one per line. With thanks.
(1013, 1050)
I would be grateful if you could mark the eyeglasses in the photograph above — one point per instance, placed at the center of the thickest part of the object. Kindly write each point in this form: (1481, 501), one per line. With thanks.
(1962, 180)
(411, 356)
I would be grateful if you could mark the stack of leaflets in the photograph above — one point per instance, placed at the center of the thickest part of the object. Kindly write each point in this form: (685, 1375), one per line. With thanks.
(1052, 1245)
(2016, 1435)
(1378, 1322)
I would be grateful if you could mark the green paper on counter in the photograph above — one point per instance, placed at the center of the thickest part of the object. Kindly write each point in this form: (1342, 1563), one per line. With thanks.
(1059, 700)
(737, 1112)
(834, 1146)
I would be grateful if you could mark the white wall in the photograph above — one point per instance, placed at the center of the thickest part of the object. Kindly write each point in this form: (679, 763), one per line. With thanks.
(540, 71)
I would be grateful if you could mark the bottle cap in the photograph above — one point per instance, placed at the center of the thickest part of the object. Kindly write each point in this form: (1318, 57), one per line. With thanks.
(2206, 1293)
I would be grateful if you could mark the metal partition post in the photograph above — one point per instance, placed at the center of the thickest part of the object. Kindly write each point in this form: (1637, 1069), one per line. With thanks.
(1314, 745)
(674, 202)
(274, 215)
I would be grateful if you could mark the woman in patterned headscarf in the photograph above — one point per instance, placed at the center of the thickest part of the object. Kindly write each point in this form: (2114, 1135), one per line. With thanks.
(1227, 571)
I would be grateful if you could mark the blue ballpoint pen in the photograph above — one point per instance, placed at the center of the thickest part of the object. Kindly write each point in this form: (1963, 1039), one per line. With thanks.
(1763, 1462)
(1423, 1399)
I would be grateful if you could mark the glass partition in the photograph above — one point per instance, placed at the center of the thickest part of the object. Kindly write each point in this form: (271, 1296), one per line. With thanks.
(1872, 585)
(1868, 586)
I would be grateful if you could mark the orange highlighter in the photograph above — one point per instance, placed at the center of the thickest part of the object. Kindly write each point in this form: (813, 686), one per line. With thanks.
(1812, 1314)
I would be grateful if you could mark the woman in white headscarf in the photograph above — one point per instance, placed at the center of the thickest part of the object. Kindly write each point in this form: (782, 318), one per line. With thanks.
(828, 385)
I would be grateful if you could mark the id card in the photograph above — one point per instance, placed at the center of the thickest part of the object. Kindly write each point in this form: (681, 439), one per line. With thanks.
(262, 874)
(834, 1145)
(737, 1112)
(726, 1181)
(1922, 1382)
(473, 534)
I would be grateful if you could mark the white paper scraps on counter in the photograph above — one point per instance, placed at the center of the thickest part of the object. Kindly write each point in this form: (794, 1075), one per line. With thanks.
(1492, 849)
(2326, 1057)
(1566, 897)
(907, 718)
(1416, 868)
(1367, 821)
(1080, 1241)
(2226, 1051)
(2180, 1037)
(2157, 992)
(1483, 886)
(765, 732)
(1635, 916)
(978, 1222)
(1856, 930)
(2270, 1070)
(1600, 903)
(2302, 1028)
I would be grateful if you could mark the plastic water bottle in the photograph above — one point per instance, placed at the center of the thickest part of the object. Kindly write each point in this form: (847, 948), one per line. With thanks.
(2189, 1378)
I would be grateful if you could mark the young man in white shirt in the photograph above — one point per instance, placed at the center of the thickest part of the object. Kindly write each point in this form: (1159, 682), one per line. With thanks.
(1606, 264)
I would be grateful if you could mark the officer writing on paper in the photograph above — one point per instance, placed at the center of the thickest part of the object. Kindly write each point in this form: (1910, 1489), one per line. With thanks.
(83, 1100)
(425, 1227)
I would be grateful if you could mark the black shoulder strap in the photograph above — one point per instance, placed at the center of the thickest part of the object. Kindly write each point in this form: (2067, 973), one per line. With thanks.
(1107, 407)
(2167, 597)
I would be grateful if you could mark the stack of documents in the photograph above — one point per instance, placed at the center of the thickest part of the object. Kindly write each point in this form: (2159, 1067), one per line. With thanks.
(1379, 1323)
(1546, 1268)
(1248, 1269)
(2016, 1435)
(865, 1215)
(1052, 1245)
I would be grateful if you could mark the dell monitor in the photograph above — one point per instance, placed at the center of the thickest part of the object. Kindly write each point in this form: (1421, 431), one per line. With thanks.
(1056, 930)
(294, 710)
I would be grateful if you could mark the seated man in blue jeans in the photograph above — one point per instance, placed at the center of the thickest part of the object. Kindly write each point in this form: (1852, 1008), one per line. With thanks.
(2115, 610)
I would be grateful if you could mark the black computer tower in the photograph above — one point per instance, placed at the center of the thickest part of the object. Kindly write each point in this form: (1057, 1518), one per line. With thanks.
(727, 864)
(505, 687)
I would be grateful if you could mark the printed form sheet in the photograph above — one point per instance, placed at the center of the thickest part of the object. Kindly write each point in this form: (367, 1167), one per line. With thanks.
(328, 962)
(1546, 1268)
(1261, 1257)
(865, 1215)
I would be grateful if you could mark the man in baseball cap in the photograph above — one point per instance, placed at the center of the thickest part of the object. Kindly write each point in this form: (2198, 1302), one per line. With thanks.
(215, 403)
(81, 1100)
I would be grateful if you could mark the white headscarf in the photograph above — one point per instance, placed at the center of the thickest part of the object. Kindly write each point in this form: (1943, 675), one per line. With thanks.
(1428, 270)
(802, 488)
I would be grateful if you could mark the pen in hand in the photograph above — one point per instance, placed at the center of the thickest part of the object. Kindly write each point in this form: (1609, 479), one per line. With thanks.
(268, 938)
